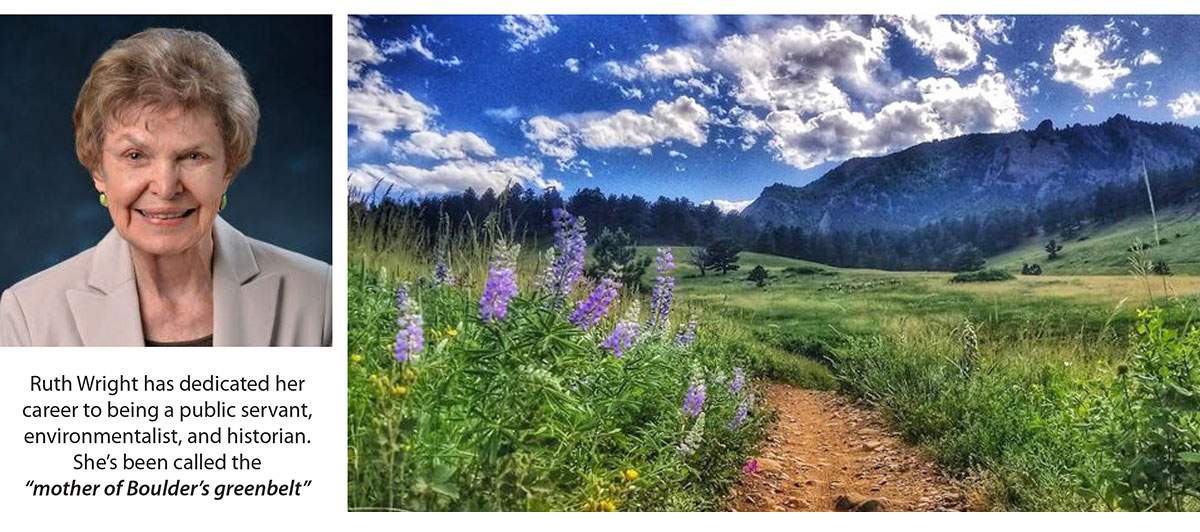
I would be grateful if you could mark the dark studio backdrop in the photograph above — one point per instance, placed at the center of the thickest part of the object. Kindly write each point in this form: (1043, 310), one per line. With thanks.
(49, 209)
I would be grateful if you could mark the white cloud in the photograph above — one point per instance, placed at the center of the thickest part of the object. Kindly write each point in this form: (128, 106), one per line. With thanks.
(943, 109)
(995, 30)
(526, 30)
(1186, 105)
(416, 44)
(678, 154)
(1085, 107)
(375, 109)
(989, 63)
(451, 176)
(454, 145)
(951, 43)
(1078, 61)
(683, 119)
(673, 63)
(503, 114)
(360, 51)
(551, 137)
(1147, 58)
(1148, 101)
(699, 27)
(572, 64)
(796, 67)
(706, 90)
(728, 206)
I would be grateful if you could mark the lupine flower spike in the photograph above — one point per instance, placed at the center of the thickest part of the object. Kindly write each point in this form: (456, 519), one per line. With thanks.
(570, 248)
(739, 380)
(664, 289)
(687, 334)
(501, 284)
(590, 311)
(410, 340)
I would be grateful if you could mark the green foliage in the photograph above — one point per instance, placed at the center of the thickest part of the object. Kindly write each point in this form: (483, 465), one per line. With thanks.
(758, 276)
(722, 255)
(967, 258)
(982, 276)
(1052, 249)
(1151, 422)
(530, 413)
(616, 252)
(1161, 267)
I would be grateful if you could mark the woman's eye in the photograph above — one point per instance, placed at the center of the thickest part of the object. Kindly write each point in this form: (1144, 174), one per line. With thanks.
(195, 156)
(135, 156)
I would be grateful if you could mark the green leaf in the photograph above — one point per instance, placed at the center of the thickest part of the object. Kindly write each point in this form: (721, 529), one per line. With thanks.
(1193, 458)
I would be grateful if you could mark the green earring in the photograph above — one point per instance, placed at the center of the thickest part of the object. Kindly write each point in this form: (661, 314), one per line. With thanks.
(103, 200)
(224, 202)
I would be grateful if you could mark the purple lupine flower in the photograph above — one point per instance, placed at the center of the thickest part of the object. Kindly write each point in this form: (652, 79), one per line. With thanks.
(501, 284)
(589, 312)
(621, 338)
(739, 380)
(743, 410)
(664, 289)
(687, 334)
(441, 270)
(694, 401)
(410, 339)
(570, 249)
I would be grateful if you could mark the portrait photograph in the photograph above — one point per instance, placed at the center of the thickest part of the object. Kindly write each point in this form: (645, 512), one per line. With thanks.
(168, 181)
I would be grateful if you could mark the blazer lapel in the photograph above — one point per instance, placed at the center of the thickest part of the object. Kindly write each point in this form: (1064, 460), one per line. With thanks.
(244, 300)
(108, 314)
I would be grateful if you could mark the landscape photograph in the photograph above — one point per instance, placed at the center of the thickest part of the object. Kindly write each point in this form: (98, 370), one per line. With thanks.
(773, 263)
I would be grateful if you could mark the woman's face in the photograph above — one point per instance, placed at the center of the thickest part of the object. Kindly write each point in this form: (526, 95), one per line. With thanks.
(164, 172)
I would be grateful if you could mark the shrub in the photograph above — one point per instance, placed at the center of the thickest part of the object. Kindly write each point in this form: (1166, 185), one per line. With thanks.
(982, 276)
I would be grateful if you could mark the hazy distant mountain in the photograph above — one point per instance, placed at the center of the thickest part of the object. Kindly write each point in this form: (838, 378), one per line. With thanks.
(975, 174)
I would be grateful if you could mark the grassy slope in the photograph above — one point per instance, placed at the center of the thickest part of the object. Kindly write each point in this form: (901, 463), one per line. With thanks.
(1102, 250)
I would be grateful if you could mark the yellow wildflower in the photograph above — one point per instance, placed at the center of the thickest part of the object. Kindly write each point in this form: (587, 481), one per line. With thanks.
(400, 390)
(356, 358)
(631, 474)
(452, 332)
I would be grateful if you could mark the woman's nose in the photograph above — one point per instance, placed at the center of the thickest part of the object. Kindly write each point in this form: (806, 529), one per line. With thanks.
(164, 180)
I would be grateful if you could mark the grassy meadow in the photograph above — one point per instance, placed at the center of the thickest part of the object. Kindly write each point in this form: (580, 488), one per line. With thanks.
(1074, 390)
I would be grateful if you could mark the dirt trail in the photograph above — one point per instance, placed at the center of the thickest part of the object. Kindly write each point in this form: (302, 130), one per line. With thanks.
(827, 454)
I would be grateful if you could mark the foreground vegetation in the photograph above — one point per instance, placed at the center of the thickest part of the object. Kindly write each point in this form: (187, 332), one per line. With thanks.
(533, 408)
(1049, 392)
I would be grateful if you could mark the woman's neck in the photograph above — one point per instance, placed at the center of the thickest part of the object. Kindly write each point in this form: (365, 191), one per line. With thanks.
(175, 292)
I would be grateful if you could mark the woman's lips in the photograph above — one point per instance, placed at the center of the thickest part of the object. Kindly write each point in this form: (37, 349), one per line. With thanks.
(165, 217)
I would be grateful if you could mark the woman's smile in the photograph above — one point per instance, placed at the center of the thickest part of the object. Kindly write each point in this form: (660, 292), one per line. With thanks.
(165, 217)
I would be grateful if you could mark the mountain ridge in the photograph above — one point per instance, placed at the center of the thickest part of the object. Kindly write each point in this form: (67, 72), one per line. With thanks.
(976, 174)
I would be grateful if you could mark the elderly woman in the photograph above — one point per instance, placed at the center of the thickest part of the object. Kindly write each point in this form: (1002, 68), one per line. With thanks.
(163, 123)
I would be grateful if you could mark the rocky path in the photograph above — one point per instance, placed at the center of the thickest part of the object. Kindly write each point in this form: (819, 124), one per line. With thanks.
(827, 454)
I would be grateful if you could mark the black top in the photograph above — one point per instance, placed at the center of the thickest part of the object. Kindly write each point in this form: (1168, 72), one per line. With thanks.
(199, 342)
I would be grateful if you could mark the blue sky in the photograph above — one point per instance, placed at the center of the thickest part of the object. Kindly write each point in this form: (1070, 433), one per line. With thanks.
(716, 108)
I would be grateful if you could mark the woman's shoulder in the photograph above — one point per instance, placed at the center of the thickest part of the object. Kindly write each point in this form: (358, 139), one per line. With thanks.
(66, 275)
(274, 259)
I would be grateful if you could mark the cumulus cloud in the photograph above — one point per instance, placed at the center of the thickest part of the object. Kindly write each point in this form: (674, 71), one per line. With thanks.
(503, 114)
(451, 176)
(1186, 105)
(942, 108)
(678, 154)
(526, 30)
(1148, 101)
(454, 145)
(950, 43)
(1147, 58)
(683, 119)
(376, 109)
(572, 64)
(673, 63)
(728, 206)
(416, 43)
(705, 89)
(799, 68)
(360, 51)
(1078, 60)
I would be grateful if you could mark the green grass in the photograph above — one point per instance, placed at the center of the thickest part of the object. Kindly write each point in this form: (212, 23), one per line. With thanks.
(1103, 250)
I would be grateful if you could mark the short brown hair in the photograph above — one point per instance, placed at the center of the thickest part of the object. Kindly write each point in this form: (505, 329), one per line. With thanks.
(167, 68)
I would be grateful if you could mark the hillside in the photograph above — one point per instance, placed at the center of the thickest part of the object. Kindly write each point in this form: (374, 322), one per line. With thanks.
(977, 174)
(1103, 250)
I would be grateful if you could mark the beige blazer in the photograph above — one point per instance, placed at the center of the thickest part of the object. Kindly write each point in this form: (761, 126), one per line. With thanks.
(262, 295)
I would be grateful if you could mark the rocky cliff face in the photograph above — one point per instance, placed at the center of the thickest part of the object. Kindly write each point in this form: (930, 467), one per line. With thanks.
(976, 174)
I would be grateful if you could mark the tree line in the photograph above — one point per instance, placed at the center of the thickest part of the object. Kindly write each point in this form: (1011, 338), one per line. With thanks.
(953, 244)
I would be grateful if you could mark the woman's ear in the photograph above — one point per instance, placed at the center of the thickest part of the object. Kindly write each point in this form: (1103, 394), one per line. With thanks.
(98, 181)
